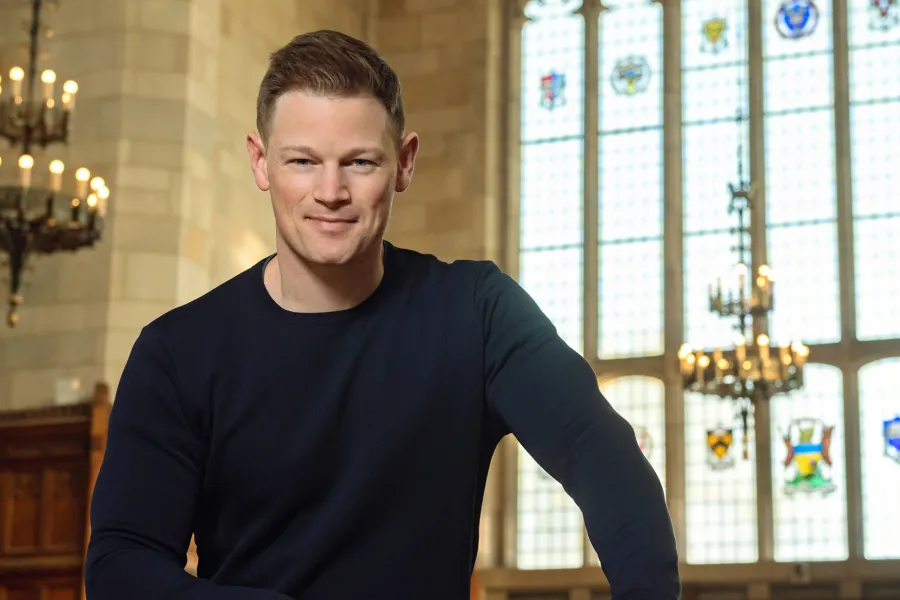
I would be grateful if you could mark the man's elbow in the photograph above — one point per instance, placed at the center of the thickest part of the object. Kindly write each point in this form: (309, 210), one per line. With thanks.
(653, 576)
(97, 571)
(111, 568)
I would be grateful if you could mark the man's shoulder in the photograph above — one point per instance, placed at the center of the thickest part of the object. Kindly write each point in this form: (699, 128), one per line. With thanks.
(212, 310)
(457, 270)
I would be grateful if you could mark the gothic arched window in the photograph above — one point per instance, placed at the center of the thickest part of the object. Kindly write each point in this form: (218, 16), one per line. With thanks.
(633, 118)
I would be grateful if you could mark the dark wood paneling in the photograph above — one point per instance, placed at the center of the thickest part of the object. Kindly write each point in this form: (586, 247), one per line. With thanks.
(49, 460)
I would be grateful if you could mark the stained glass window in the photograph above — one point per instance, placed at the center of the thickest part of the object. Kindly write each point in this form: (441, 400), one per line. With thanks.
(550, 531)
(804, 156)
(720, 483)
(551, 240)
(879, 434)
(641, 401)
(800, 169)
(809, 499)
(550, 525)
(630, 174)
(874, 36)
(714, 87)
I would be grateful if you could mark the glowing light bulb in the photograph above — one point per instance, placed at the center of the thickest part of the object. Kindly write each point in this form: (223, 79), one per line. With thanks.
(82, 176)
(56, 170)
(26, 162)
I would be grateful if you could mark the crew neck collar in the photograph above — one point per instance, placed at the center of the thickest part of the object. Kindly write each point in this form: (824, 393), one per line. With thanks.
(272, 307)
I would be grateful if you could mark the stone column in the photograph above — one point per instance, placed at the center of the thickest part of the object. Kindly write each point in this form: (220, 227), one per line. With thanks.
(167, 96)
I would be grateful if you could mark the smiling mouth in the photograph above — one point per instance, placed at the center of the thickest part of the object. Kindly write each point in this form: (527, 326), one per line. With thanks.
(331, 226)
(331, 220)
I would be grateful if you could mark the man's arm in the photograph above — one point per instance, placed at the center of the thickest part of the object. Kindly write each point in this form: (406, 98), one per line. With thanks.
(146, 492)
(546, 394)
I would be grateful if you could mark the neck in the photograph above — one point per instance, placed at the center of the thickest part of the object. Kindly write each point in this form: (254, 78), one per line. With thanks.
(300, 286)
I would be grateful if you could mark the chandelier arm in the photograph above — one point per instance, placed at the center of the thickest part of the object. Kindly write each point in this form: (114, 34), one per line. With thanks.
(18, 239)
(34, 34)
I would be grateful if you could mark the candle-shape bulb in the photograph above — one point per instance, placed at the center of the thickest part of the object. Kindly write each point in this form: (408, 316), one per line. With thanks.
(48, 78)
(92, 201)
(56, 170)
(26, 162)
(70, 88)
(16, 74)
(740, 352)
(82, 176)
(103, 196)
(97, 183)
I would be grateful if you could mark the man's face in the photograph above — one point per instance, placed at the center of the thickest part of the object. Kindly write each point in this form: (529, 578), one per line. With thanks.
(331, 166)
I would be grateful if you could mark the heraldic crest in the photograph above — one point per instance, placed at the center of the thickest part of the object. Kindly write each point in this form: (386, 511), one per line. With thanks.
(808, 461)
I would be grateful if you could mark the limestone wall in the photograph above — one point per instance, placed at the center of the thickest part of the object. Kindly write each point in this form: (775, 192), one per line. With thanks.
(440, 50)
(167, 95)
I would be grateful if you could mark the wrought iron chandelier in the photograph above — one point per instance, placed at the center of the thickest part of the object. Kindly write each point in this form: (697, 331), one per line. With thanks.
(755, 369)
(38, 215)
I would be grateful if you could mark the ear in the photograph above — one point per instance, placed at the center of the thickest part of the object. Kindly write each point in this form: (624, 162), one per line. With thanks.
(406, 160)
(256, 149)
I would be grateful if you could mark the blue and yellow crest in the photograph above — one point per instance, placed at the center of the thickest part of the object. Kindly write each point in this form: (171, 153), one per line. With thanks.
(631, 76)
(892, 439)
(718, 446)
(808, 459)
(796, 19)
(553, 88)
(884, 14)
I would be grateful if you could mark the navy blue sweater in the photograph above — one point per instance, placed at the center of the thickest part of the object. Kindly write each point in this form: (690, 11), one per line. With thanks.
(343, 455)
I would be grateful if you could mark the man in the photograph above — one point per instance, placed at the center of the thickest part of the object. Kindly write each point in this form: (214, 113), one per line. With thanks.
(323, 422)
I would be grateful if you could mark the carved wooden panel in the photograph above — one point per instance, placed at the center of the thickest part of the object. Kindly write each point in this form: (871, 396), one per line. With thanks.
(64, 508)
(21, 512)
(20, 593)
(72, 591)
(49, 459)
(42, 511)
(56, 588)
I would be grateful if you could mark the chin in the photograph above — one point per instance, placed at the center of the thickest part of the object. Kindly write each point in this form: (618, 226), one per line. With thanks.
(332, 251)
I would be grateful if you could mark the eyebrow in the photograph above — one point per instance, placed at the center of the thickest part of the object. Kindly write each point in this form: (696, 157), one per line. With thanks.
(352, 152)
(304, 149)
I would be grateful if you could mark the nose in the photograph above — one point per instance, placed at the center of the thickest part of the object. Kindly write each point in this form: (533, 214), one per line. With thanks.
(331, 188)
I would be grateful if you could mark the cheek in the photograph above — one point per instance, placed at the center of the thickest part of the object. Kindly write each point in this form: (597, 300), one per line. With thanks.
(289, 188)
(371, 192)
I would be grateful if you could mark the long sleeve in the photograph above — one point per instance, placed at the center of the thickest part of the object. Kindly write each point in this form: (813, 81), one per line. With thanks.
(547, 396)
(146, 492)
